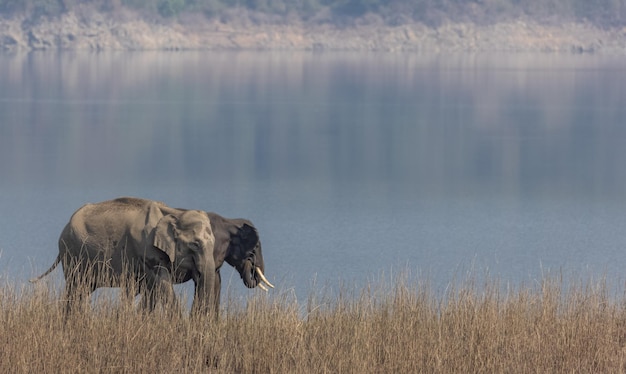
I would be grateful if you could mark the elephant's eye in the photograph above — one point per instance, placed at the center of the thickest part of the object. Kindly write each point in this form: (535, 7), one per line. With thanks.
(194, 246)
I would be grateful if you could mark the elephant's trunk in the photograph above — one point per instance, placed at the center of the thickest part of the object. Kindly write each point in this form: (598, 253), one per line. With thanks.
(248, 274)
(205, 298)
(253, 276)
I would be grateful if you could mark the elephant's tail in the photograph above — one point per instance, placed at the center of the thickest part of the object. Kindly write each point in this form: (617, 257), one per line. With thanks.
(56, 262)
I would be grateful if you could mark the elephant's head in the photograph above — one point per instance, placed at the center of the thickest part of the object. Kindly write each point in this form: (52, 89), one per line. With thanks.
(237, 242)
(187, 235)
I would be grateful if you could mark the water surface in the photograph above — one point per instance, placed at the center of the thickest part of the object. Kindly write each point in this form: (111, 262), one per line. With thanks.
(350, 165)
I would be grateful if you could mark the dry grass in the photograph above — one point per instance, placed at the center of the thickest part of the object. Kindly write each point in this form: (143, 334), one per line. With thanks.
(404, 328)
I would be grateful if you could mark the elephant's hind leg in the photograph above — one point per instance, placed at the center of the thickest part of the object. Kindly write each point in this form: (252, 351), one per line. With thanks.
(79, 284)
(76, 296)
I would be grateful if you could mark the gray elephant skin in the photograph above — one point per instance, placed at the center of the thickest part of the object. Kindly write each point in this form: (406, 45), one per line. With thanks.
(153, 246)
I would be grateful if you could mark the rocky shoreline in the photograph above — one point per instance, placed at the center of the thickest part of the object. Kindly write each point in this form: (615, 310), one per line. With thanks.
(99, 33)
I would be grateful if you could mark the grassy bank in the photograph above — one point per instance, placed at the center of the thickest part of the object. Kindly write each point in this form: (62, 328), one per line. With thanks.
(403, 328)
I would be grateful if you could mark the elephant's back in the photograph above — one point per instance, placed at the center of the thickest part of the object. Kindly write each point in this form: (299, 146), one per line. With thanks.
(110, 219)
(131, 203)
(118, 208)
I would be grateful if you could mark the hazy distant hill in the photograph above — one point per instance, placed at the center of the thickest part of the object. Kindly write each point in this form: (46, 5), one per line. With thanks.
(602, 13)
(415, 25)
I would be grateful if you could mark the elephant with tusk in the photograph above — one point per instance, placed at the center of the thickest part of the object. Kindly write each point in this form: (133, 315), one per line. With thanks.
(155, 246)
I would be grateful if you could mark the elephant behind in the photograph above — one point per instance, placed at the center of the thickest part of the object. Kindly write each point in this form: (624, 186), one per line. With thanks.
(132, 241)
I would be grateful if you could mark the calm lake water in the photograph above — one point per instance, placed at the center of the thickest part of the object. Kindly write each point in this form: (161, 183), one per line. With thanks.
(350, 165)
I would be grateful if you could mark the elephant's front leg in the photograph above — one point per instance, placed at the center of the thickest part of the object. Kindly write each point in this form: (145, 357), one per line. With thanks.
(159, 287)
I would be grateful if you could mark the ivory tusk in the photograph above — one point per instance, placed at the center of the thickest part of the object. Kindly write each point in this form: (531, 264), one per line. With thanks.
(261, 286)
(258, 270)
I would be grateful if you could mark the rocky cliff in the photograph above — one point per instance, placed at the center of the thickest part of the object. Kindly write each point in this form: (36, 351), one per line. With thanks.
(99, 32)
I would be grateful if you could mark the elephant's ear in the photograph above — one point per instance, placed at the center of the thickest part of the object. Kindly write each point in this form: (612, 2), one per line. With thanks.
(165, 235)
(249, 235)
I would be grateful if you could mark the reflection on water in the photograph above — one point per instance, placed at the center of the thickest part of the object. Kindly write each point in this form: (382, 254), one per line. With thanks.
(512, 124)
(350, 163)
